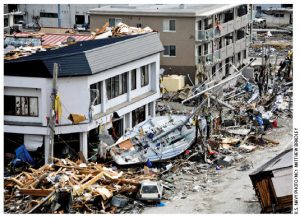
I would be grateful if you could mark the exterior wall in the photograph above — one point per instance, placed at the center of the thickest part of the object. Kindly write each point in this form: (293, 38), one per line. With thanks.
(183, 38)
(67, 13)
(271, 20)
(74, 93)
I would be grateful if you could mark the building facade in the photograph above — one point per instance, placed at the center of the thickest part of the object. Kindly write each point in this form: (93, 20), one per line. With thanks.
(96, 79)
(213, 35)
(56, 15)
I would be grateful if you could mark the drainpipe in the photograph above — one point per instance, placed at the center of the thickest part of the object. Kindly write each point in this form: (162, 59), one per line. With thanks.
(59, 18)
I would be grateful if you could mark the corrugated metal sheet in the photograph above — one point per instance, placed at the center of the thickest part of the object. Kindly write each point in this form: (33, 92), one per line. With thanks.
(53, 39)
(117, 54)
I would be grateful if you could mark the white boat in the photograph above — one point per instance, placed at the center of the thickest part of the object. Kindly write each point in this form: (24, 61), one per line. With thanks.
(156, 139)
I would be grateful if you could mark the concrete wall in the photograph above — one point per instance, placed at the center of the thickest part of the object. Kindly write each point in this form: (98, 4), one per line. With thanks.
(271, 20)
(183, 38)
(67, 13)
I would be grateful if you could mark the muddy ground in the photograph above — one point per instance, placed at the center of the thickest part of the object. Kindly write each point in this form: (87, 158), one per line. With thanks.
(228, 190)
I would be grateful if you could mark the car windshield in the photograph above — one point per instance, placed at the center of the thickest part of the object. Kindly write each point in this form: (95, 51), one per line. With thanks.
(149, 189)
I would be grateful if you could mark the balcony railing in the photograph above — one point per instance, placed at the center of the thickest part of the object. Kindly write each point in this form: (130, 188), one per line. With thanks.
(225, 28)
(229, 50)
(204, 35)
(238, 23)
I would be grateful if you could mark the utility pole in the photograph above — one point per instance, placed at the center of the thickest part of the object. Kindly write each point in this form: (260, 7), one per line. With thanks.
(52, 115)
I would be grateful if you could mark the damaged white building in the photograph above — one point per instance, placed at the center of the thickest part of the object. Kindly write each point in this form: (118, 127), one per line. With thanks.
(120, 75)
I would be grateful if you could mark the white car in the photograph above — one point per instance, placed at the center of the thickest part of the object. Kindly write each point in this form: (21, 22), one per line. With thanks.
(150, 191)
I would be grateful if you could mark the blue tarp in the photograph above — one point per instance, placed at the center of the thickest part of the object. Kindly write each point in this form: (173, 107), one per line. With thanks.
(23, 155)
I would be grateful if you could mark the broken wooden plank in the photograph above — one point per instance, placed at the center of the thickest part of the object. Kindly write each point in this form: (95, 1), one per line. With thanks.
(36, 192)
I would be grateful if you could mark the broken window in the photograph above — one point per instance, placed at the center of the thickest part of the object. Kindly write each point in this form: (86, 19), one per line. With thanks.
(20, 106)
(79, 19)
(169, 25)
(144, 75)
(93, 94)
(138, 115)
(114, 21)
(133, 79)
(170, 50)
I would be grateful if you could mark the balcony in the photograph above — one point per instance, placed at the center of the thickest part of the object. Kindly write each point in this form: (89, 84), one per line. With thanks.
(205, 35)
(217, 56)
(244, 20)
(238, 23)
(237, 46)
(224, 29)
(243, 43)
(230, 26)
(223, 53)
(229, 50)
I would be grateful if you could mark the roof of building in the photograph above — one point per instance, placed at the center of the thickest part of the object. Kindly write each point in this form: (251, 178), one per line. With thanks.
(52, 39)
(176, 10)
(282, 160)
(86, 57)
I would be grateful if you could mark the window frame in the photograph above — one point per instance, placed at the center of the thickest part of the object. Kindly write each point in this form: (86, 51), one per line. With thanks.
(169, 51)
(28, 106)
(115, 20)
(166, 25)
(144, 75)
(133, 79)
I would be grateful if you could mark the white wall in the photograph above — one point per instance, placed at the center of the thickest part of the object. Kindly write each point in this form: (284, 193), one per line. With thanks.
(67, 13)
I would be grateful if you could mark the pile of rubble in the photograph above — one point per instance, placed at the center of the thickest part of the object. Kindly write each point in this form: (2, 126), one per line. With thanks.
(120, 29)
(69, 187)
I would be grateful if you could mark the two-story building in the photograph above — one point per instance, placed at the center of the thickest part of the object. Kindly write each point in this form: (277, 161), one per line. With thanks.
(214, 35)
(112, 82)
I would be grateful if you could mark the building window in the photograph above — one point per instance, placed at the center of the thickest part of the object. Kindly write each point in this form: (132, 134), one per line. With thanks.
(170, 50)
(5, 22)
(169, 25)
(48, 15)
(114, 21)
(199, 50)
(79, 19)
(239, 56)
(123, 83)
(220, 66)
(245, 54)
(144, 75)
(138, 115)
(93, 94)
(279, 15)
(133, 79)
(20, 106)
(112, 87)
(139, 25)
(116, 86)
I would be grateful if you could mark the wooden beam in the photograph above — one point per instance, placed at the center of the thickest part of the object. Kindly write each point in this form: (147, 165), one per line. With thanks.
(36, 192)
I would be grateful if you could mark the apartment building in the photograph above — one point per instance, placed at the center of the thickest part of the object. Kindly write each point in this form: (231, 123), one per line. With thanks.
(212, 35)
(112, 82)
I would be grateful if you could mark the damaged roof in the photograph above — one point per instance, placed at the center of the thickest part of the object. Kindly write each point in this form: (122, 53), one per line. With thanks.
(86, 57)
(282, 160)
